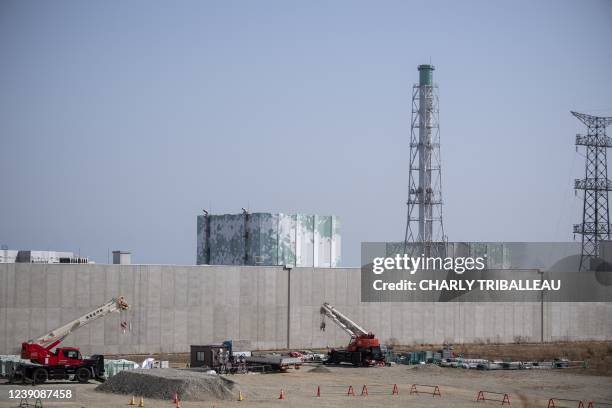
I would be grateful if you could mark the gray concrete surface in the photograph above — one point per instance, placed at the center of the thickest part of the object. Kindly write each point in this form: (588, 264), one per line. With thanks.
(175, 306)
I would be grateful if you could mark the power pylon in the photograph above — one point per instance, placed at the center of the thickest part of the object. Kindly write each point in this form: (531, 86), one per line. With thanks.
(595, 224)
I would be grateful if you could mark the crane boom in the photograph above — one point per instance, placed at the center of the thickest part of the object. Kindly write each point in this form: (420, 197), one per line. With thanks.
(54, 337)
(346, 324)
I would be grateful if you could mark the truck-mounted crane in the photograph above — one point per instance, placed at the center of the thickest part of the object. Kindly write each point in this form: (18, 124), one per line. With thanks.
(65, 362)
(363, 348)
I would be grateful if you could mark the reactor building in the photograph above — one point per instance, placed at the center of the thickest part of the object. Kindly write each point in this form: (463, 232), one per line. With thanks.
(268, 239)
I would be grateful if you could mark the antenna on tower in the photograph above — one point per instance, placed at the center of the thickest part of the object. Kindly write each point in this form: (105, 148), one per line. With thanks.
(424, 220)
(595, 184)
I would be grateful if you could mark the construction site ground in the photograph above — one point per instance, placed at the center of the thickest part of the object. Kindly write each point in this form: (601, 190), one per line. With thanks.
(458, 387)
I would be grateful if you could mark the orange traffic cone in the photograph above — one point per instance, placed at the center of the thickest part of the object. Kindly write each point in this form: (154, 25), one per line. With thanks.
(364, 390)
(395, 390)
(318, 390)
(282, 394)
(177, 403)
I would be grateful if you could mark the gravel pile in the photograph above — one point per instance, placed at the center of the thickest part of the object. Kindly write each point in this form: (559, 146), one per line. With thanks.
(162, 383)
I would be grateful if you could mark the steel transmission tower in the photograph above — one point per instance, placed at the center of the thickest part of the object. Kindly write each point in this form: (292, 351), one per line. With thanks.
(424, 221)
(595, 184)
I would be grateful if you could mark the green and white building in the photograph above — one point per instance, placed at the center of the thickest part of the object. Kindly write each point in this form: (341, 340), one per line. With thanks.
(269, 239)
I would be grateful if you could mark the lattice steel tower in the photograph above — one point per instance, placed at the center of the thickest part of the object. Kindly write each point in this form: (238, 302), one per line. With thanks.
(595, 184)
(424, 220)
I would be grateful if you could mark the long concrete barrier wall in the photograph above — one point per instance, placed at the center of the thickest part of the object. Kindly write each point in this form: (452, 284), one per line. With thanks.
(176, 306)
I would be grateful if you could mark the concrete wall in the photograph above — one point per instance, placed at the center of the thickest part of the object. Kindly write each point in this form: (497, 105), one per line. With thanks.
(175, 306)
(172, 306)
(434, 322)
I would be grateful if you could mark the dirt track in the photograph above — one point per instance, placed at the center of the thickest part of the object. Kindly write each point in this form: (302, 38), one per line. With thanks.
(459, 387)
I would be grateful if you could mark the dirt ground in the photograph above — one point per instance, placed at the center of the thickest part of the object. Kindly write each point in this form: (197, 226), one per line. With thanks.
(598, 353)
(459, 387)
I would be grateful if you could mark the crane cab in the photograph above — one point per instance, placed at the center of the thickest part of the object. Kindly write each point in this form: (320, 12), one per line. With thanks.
(68, 356)
(62, 356)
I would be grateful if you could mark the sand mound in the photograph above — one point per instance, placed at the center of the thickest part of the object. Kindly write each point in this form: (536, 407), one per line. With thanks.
(320, 369)
(425, 367)
(162, 383)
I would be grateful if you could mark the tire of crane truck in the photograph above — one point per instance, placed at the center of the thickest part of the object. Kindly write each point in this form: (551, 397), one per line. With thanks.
(332, 358)
(39, 376)
(15, 378)
(82, 374)
(356, 358)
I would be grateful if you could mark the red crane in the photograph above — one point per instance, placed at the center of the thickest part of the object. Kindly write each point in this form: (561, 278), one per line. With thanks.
(65, 362)
(363, 348)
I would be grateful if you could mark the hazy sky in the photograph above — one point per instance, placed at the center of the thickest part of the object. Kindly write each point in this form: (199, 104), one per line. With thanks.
(121, 120)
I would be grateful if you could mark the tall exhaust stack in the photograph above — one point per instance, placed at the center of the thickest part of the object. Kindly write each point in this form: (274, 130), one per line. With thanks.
(424, 221)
